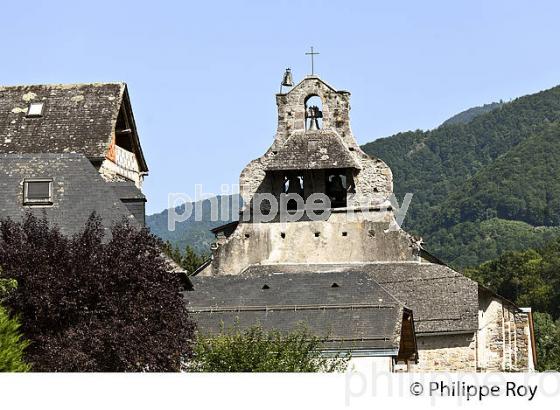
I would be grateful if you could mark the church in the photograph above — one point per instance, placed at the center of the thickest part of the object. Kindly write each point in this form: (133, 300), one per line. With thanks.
(318, 243)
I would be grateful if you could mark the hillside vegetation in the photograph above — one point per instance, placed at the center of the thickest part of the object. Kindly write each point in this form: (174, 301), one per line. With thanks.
(474, 182)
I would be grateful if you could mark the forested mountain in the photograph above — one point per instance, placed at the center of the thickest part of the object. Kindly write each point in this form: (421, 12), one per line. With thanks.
(485, 182)
(193, 231)
(467, 116)
(500, 169)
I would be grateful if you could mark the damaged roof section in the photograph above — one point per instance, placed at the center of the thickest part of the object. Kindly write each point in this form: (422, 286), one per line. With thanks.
(350, 310)
(74, 118)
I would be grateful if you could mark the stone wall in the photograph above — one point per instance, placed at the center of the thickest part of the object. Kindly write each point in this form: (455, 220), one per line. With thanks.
(504, 336)
(446, 353)
(373, 180)
(112, 171)
(336, 240)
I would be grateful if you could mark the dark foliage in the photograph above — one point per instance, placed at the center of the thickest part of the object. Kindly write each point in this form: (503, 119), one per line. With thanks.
(90, 305)
(528, 278)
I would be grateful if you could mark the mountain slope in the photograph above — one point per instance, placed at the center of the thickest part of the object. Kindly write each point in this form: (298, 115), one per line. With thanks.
(522, 185)
(432, 164)
(469, 172)
(195, 230)
(467, 116)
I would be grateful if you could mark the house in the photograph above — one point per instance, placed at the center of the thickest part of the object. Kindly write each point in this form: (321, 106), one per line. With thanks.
(69, 150)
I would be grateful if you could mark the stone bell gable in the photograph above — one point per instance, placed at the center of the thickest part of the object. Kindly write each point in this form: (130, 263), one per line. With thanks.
(301, 146)
(314, 153)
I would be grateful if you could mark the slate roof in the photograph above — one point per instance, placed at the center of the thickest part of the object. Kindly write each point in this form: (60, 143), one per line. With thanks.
(443, 300)
(313, 150)
(126, 190)
(77, 118)
(78, 190)
(356, 312)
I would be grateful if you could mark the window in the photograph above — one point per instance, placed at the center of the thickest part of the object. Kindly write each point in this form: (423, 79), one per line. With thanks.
(35, 109)
(37, 192)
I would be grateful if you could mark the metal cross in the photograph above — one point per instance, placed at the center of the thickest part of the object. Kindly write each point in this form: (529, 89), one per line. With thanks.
(312, 63)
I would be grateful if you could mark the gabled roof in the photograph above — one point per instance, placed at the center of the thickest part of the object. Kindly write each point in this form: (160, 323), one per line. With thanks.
(350, 309)
(321, 149)
(443, 300)
(77, 118)
(127, 191)
(313, 78)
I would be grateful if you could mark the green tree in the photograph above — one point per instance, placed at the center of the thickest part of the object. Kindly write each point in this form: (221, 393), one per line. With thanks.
(191, 260)
(528, 278)
(173, 252)
(12, 344)
(547, 335)
(255, 350)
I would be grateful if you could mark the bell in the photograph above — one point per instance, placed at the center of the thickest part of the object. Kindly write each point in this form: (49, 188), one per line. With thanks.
(313, 124)
(287, 80)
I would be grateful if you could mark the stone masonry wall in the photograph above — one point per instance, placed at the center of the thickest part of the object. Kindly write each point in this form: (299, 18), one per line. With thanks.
(333, 241)
(504, 336)
(446, 353)
(373, 182)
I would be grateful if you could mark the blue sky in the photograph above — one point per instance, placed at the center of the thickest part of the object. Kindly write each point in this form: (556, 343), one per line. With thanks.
(203, 75)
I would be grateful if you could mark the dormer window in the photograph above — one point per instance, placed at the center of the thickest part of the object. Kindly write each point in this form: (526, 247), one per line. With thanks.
(37, 191)
(35, 109)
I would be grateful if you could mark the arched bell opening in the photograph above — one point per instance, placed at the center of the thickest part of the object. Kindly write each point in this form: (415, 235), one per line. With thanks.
(313, 113)
(339, 183)
(293, 184)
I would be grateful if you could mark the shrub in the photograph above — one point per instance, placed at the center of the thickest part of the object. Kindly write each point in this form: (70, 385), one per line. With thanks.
(92, 305)
(255, 350)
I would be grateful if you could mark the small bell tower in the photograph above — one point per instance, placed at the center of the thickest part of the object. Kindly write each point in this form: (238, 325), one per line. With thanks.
(314, 154)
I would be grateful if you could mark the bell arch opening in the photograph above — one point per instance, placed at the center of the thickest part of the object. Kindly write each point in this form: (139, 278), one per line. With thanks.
(293, 184)
(313, 113)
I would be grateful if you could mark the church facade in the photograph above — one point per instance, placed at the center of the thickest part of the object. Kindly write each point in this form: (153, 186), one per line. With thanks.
(318, 242)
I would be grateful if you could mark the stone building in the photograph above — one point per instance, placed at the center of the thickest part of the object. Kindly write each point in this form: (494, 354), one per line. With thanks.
(69, 150)
(279, 265)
